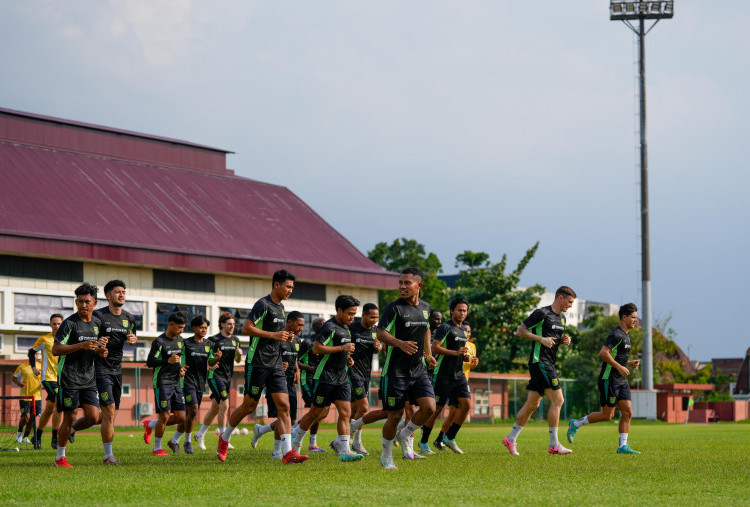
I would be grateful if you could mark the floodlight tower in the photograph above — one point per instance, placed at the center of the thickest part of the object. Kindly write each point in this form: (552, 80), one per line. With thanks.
(628, 12)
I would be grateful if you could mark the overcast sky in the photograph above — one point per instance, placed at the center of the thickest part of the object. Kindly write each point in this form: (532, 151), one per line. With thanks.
(479, 125)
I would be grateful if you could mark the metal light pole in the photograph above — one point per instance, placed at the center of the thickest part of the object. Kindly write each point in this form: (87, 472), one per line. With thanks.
(627, 12)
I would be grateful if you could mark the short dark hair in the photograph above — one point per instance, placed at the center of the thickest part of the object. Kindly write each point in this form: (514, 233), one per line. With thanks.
(112, 284)
(294, 316)
(344, 301)
(368, 307)
(225, 317)
(317, 323)
(433, 311)
(565, 291)
(56, 315)
(458, 301)
(199, 320)
(282, 276)
(627, 309)
(86, 289)
(413, 271)
(178, 318)
(466, 323)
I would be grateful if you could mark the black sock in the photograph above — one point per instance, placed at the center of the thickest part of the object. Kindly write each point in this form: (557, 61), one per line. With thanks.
(26, 433)
(39, 433)
(440, 437)
(20, 427)
(452, 432)
(426, 434)
(54, 434)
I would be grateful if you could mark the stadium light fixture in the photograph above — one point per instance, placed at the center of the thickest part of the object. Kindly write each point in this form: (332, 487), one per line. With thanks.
(627, 12)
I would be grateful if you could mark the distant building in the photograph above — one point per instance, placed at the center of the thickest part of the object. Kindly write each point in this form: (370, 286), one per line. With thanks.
(742, 387)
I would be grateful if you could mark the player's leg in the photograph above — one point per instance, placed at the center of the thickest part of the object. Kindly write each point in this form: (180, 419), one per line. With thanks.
(191, 411)
(606, 401)
(522, 417)
(389, 435)
(23, 420)
(626, 414)
(163, 412)
(553, 420)
(421, 397)
(320, 403)
(360, 407)
(208, 420)
(63, 433)
(343, 441)
(441, 398)
(463, 400)
(178, 418)
(109, 400)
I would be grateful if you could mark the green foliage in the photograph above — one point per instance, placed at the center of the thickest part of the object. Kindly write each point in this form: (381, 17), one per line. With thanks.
(497, 307)
(404, 253)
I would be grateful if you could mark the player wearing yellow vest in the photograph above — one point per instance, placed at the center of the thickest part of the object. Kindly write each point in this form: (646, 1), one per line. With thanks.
(49, 378)
(29, 383)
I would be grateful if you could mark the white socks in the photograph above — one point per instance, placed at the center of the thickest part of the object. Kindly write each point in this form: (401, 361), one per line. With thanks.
(265, 429)
(553, 441)
(387, 449)
(157, 443)
(286, 443)
(343, 441)
(60, 453)
(227, 433)
(152, 424)
(513, 435)
(203, 430)
(357, 437)
(107, 450)
(176, 438)
(188, 437)
(355, 425)
(276, 446)
(581, 422)
(313, 439)
(299, 435)
(409, 429)
(623, 439)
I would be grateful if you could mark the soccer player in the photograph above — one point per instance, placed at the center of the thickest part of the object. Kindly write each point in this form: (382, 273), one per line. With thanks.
(165, 357)
(118, 328)
(449, 381)
(334, 344)
(30, 385)
(544, 327)
(307, 364)
(404, 328)
(295, 322)
(614, 390)
(49, 380)
(196, 353)
(263, 367)
(366, 343)
(77, 342)
(225, 347)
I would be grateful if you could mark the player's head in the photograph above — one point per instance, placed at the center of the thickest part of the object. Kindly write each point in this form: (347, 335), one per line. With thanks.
(282, 284)
(346, 309)
(435, 319)
(199, 325)
(459, 309)
(317, 323)
(226, 323)
(467, 328)
(55, 320)
(629, 315)
(114, 291)
(295, 322)
(409, 283)
(370, 315)
(176, 324)
(86, 298)
(564, 297)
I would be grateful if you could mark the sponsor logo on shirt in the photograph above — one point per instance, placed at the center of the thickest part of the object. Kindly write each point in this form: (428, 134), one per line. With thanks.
(555, 326)
(410, 324)
(276, 319)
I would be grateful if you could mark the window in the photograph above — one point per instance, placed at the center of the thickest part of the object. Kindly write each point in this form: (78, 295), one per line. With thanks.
(309, 317)
(24, 343)
(42, 269)
(240, 315)
(36, 309)
(481, 402)
(180, 280)
(135, 308)
(164, 310)
(2, 339)
(309, 291)
(126, 390)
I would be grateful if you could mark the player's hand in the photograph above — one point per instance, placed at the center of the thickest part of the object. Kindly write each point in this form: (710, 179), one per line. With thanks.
(215, 366)
(462, 351)
(547, 342)
(284, 336)
(624, 371)
(285, 365)
(430, 361)
(174, 359)
(102, 351)
(566, 340)
(350, 361)
(408, 347)
(635, 363)
(474, 362)
(36, 371)
(348, 347)
(103, 341)
(89, 345)
(218, 354)
(377, 345)
(132, 339)
(296, 377)
(183, 370)
(238, 355)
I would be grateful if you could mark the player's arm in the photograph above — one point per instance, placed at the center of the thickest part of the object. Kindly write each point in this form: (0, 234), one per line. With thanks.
(606, 355)
(387, 338)
(213, 359)
(305, 367)
(152, 361)
(320, 349)
(427, 353)
(32, 359)
(523, 332)
(250, 329)
(17, 378)
(59, 349)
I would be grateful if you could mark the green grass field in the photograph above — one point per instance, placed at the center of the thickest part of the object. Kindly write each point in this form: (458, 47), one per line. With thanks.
(679, 464)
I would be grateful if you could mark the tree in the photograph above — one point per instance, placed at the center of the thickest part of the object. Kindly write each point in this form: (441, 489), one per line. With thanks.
(404, 253)
(496, 306)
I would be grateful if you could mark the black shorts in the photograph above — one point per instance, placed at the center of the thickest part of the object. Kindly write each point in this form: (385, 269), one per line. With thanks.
(71, 399)
(219, 388)
(169, 399)
(110, 389)
(26, 406)
(273, 411)
(192, 395)
(257, 377)
(610, 392)
(307, 396)
(543, 377)
(324, 394)
(448, 390)
(396, 391)
(50, 387)
(360, 388)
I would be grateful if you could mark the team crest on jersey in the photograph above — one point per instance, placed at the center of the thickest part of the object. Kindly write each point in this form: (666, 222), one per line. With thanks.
(374, 335)
(124, 322)
(179, 345)
(426, 314)
(391, 400)
(68, 402)
(96, 329)
(319, 400)
(296, 347)
(358, 391)
(255, 390)
(555, 382)
(612, 399)
(164, 404)
(189, 398)
(104, 396)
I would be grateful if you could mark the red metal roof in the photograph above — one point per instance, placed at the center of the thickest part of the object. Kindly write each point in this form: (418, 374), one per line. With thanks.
(77, 205)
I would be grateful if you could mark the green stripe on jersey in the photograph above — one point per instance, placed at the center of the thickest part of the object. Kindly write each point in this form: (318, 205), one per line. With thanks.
(323, 361)
(387, 360)
(437, 366)
(251, 350)
(608, 368)
(537, 330)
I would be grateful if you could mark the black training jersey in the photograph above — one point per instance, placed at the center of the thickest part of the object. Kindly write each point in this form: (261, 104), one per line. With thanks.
(166, 374)
(453, 337)
(619, 342)
(409, 323)
(267, 316)
(196, 356)
(305, 356)
(116, 327)
(546, 323)
(228, 347)
(289, 353)
(364, 348)
(332, 367)
(76, 370)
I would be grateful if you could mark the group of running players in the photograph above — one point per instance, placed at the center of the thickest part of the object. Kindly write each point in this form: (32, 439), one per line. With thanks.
(424, 370)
